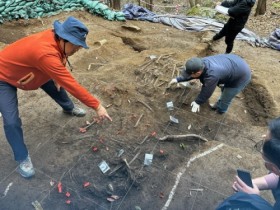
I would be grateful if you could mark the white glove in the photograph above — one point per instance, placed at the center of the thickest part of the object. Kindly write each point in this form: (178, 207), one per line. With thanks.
(173, 81)
(195, 106)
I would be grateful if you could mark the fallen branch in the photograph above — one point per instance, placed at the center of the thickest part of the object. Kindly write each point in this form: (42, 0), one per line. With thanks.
(181, 137)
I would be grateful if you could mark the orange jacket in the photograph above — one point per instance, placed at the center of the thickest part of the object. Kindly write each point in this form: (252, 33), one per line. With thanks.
(32, 61)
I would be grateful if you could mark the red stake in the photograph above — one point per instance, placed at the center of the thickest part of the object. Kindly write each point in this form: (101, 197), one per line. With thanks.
(86, 184)
(153, 133)
(94, 149)
(59, 187)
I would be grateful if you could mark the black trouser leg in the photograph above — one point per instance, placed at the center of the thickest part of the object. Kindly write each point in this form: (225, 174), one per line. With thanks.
(230, 37)
(221, 33)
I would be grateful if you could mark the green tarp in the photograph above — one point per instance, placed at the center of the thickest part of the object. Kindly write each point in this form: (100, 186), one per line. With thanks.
(16, 9)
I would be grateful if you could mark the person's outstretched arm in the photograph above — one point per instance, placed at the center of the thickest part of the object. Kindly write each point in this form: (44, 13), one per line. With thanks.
(269, 181)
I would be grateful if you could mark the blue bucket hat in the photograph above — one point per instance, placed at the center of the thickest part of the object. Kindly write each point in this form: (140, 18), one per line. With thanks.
(72, 30)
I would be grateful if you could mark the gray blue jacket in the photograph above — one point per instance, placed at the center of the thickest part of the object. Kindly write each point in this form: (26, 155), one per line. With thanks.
(227, 69)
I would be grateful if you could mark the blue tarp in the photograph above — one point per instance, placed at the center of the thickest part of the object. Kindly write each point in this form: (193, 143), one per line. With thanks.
(181, 22)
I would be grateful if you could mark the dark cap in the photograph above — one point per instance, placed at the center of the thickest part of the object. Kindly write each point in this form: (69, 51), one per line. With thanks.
(192, 66)
(72, 30)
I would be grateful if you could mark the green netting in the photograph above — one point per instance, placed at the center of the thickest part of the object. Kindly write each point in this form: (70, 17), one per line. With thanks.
(15, 9)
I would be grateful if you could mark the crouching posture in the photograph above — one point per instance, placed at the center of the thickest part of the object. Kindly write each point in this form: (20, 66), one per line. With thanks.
(229, 71)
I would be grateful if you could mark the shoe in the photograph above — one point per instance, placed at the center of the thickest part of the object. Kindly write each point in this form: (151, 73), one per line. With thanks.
(26, 168)
(213, 106)
(78, 112)
(221, 113)
(216, 37)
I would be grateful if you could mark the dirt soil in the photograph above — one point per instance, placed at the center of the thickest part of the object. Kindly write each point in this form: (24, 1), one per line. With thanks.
(129, 73)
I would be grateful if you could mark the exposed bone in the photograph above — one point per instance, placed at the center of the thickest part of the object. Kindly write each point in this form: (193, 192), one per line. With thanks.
(96, 64)
(136, 124)
(146, 137)
(146, 105)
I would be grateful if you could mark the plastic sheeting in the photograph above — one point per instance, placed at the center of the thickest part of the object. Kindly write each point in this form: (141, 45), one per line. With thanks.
(15, 9)
(199, 24)
(274, 39)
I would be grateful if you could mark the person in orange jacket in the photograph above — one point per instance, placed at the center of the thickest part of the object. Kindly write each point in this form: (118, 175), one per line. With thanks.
(42, 65)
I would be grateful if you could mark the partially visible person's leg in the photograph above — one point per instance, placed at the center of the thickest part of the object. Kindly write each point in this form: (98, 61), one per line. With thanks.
(62, 98)
(12, 122)
(226, 97)
(13, 130)
(230, 37)
(221, 33)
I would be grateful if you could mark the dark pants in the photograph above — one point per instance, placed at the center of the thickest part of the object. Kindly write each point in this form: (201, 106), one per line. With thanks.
(230, 32)
(10, 113)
